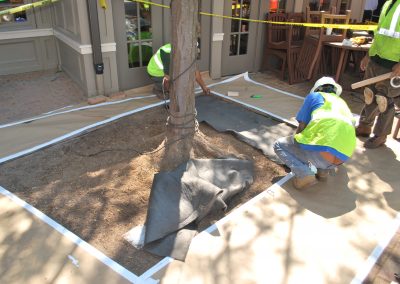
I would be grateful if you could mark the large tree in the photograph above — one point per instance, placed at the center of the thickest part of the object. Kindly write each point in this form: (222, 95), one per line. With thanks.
(181, 122)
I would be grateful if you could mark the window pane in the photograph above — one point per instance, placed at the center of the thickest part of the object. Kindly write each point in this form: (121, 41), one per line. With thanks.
(246, 9)
(145, 21)
(133, 54)
(235, 13)
(243, 43)
(138, 33)
(244, 27)
(235, 26)
(234, 45)
(147, 52)
(236, 8)
(11, 18)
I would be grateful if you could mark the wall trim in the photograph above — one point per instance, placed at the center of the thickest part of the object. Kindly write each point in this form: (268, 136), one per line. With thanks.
(25, 33)
(80, 48)
(84, 48)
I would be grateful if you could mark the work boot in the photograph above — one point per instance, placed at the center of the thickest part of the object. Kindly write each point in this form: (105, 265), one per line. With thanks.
(368, 96)
(375, 142)
(322, 175)
(382, 103)
(304, 182)
(363, 130)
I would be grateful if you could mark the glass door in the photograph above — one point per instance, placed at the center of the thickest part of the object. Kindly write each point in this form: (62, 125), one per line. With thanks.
(138, 35)
(239, 37)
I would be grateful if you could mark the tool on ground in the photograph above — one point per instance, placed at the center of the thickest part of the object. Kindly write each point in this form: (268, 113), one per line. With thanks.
(377, 79)
(256, 97)
(233, 94)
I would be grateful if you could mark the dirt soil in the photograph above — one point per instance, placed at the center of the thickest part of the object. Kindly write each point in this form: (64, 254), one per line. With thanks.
(97, 185)
(33, 93)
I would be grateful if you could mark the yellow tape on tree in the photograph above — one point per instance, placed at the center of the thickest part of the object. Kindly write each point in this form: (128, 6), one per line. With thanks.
(311, 25)
(27, 7)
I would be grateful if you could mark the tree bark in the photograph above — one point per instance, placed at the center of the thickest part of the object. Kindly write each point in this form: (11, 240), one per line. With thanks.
(181, 122)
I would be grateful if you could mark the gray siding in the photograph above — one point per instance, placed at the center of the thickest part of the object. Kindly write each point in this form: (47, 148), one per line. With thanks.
(28, 53)
(71, 19)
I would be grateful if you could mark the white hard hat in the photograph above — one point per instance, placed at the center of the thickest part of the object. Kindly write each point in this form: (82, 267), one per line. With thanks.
(327, 81)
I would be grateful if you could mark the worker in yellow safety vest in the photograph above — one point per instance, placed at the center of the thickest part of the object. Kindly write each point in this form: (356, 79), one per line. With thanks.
(383, 57)
(325, 137)
(158, 69)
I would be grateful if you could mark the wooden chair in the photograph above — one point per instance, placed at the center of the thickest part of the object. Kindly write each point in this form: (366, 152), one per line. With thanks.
(284, 42)
(311, 51)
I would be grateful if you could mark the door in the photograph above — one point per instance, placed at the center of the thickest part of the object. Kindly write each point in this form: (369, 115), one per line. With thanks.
(204, 40)
(138, 34)
(238, 47)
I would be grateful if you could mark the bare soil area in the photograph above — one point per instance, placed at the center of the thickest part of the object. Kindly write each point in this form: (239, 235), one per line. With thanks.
(33, 93)
(97, 185)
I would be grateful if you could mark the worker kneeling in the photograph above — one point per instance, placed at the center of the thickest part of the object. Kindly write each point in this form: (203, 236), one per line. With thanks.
(158, 69)
(324, 139)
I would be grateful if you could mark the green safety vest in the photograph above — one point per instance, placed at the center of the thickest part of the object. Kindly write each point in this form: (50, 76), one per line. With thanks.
(155, 67)
(387, 37)
(331, 125)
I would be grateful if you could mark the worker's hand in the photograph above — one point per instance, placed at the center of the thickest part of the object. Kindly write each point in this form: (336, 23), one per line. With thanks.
(364, 62)
(206, 91)
(396, 70)
(166, 82)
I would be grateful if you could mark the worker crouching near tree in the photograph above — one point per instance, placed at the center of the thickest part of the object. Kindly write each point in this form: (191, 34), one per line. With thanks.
(383, 57)
(158, 69)
(324, 139)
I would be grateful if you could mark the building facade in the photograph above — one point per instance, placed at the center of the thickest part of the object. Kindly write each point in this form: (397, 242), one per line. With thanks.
(59, 36)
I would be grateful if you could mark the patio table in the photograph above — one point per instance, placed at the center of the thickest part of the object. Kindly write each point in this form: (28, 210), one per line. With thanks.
(344, 53)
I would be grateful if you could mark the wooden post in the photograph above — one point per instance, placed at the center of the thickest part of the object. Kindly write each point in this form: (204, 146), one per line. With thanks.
(181, 123)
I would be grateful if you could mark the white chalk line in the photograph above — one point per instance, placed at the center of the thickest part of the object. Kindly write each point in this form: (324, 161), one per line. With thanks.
(74, 238)
(75, 132)
(366, 268)
(55, 112)
(257, 109)
(247, 78)
(269, 192)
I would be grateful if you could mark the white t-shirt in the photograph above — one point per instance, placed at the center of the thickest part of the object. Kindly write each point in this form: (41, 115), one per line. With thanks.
(371, 5)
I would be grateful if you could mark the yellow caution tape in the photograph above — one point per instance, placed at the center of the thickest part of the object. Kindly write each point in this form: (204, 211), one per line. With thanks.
(311, 25)
(27, 7)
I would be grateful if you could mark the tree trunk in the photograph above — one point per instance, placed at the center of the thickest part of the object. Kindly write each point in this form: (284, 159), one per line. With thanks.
(182, 120)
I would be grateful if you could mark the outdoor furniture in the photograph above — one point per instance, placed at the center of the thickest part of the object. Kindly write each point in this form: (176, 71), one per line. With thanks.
(284, 42)
(339, 64)
(310, 54)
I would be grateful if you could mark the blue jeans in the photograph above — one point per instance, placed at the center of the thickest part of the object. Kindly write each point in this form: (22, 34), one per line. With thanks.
(301, 162)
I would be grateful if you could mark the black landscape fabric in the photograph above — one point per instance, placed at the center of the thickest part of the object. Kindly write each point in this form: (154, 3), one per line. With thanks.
(257, 130)
(181, 197)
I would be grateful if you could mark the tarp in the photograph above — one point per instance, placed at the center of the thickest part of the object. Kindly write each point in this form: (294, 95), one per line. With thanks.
(257, 130)
(187, 194)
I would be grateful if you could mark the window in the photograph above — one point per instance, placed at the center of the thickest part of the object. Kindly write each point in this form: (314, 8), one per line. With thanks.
(12, 18)
(138, 33)
(239, 29)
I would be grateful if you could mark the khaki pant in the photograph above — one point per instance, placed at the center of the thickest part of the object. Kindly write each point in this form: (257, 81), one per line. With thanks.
(383, 126)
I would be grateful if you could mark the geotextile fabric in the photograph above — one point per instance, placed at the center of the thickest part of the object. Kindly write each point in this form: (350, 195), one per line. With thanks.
(257, 130)
(182, 197)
